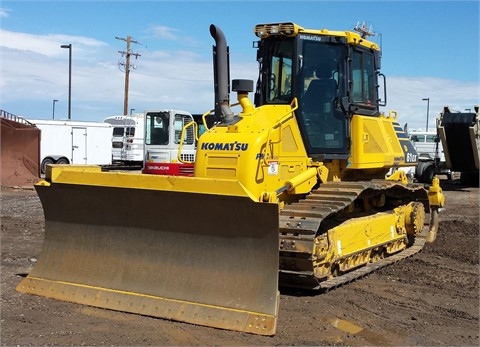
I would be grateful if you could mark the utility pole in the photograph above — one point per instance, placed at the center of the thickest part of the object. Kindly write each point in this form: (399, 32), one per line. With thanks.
(127, 54)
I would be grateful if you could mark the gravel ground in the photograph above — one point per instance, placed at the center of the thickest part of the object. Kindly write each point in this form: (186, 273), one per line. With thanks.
(430, 299)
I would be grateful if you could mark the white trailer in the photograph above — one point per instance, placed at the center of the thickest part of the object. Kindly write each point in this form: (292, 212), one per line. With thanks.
(74, 142)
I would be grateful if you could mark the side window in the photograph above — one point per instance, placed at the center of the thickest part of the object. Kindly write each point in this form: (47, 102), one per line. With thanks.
(148, 129)
(418, 138)
(363, 78)
(179, 123)
(279, 83)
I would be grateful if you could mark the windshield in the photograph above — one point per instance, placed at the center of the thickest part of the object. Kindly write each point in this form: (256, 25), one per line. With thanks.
(320, 89)
(156, 132)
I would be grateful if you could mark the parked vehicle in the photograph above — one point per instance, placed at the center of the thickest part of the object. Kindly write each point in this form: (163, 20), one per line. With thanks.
(127, 139)
(163, 131)
(460, 136)
(73, 142)
(431, 157)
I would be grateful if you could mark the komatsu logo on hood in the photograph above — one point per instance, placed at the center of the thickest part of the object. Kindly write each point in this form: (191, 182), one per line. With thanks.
(233, 146)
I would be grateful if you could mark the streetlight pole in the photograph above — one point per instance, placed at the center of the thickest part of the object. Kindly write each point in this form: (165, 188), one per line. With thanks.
(69, 46)
(53, 111)
(428, 110)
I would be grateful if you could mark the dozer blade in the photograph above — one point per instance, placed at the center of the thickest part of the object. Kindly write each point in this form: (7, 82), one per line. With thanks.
(113, 241)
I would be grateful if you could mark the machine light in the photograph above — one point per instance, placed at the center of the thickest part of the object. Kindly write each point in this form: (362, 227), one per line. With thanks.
(265, 30)
(261, 31)
(274, 29)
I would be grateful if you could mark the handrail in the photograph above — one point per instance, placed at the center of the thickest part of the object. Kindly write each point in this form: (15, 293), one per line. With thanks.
(210, 112)
(279, 122)
(15, 118)
(204, 121)
(182, 136)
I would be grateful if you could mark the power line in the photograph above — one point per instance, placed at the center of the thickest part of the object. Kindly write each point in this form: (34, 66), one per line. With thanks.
(127, 54)
(187, 79)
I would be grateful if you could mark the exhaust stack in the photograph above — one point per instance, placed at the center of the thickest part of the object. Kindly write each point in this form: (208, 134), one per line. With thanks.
(221, 75)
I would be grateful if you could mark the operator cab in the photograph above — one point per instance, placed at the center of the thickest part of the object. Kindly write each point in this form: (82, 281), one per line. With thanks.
(331, 78)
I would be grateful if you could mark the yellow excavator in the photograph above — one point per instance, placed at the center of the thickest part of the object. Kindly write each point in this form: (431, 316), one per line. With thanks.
(290, 191)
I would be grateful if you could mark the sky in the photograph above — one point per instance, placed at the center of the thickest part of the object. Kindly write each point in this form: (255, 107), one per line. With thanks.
(430, 50)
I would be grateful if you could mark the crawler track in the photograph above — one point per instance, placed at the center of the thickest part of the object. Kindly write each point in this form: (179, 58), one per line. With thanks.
(300, 222)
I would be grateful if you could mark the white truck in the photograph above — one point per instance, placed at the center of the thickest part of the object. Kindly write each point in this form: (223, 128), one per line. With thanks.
(127, 139)
(431, 157)
(73, 142)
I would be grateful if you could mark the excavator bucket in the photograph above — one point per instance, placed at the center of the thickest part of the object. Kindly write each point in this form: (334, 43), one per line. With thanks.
(181, 248)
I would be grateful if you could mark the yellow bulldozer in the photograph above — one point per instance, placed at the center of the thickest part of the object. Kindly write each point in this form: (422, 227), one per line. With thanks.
(290, 191)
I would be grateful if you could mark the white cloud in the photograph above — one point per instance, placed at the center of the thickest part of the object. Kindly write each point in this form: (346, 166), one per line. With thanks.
(405, 94)
(174, 36)
(48, 45)
(35, 71)
(4, 12)
(163, 32)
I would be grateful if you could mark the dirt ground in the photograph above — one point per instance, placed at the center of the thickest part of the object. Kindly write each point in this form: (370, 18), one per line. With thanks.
(430, 299)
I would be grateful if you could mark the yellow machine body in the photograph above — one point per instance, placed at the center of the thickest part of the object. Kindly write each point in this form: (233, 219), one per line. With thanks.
(265, 207)
(264, 151)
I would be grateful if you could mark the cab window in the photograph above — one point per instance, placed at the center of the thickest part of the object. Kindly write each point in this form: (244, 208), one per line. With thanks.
(157, 128)
(279, 83)
(363, 78)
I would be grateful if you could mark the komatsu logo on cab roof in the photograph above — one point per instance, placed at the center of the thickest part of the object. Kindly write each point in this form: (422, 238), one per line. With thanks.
(218, 146)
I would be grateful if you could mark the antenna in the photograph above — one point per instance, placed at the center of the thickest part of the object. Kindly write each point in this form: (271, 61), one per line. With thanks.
(127, 54)
(365, 29)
